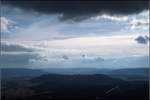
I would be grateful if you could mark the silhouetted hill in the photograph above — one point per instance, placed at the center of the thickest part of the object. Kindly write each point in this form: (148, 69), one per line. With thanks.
(76, 79)
(75, 87)
(130, 90)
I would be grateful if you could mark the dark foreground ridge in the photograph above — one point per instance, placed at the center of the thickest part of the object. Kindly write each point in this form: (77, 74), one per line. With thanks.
(75, 87)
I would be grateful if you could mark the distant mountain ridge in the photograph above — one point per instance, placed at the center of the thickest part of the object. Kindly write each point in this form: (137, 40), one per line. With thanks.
(134, 71)
(130, 71)
(10, 73)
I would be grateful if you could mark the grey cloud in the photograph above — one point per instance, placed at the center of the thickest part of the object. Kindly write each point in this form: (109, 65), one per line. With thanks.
(77, 10)
(14, 47)
(142, 39)
(83, 56)
(99, 59)
(65, 57)
(21, 58)
(17, 60)
(139, 24)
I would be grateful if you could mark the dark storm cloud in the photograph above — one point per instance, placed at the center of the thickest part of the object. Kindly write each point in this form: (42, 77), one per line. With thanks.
(78, 10)
(142, 39)
(13, 48)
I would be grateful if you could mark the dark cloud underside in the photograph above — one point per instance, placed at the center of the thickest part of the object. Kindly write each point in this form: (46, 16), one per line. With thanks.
(78, 10)
(17, 60)
(13, 48)
(142, 39)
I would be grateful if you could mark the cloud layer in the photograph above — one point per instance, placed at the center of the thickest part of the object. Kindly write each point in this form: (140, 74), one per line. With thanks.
(80, 10)
(14, 48)
(73, 52)
(5, 23)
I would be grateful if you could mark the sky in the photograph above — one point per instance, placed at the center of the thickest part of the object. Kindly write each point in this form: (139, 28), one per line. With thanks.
(75, 34)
